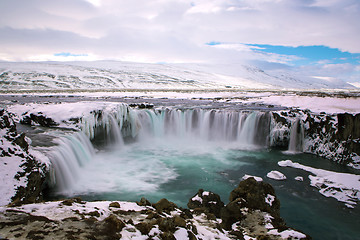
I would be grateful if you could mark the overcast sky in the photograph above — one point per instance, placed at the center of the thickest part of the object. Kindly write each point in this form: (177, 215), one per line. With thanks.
(217, 31)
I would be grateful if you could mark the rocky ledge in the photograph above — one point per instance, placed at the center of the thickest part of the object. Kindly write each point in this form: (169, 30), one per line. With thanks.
(252, 213)
(22, 174)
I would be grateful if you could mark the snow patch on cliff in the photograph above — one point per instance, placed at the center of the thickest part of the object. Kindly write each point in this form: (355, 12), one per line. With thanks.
(344, 187)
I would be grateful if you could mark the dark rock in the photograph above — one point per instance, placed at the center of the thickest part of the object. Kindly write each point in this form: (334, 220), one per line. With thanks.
(167, 236)
(153, 216)
(348, 126)
(38, 119)
(191, 235)
(232, 213)
(143, 202)
(164, 205)
(179, 222)
(167, 224)
(32, 192)
(94, 214)
(207, 202)
(238, 234)
(114, 223)
(114, 205)
(186, 213)
(144, 228)
(263, 237)
(109, 228)
(35, 235)
(70, 201)
(21, 141)
(253, 195)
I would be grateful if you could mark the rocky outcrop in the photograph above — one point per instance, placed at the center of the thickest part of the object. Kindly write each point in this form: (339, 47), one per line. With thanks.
(206, 202)
(333, 136)
(251, 195)
(38, 119)
(252, 213)
(29, 179)
(348, 126)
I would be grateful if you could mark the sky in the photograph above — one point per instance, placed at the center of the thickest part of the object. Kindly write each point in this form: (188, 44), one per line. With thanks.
(320, 36)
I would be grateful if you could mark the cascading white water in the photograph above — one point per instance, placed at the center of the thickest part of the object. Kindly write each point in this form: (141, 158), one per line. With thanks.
(112, 124)
(72, 153)
(296, 143)
(231, 128)
(211, 125)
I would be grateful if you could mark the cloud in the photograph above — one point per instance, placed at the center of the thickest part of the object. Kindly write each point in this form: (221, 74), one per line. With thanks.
(174, 30)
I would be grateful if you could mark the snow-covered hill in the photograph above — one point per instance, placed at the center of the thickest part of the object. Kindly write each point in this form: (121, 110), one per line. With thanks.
(121, 75)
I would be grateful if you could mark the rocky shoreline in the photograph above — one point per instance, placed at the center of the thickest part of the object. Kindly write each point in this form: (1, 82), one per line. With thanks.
(252, 213)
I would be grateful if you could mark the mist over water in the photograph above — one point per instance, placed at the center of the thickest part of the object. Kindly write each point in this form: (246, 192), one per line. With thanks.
(172, 153)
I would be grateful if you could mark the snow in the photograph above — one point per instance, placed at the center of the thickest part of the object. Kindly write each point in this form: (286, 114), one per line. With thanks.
(276, 175)
(197, 198)
(58, 211)
(269, 199)
(299, 178)
(205, 193)
(267, 220)
(154, 231)
(132, 233)
(314, 103)
(117, 75)
(181, 234)
(258, 179)
(110, 75)
(344, 187)
(56, 111)
(207, 229)
(287, 234)
(9, 166)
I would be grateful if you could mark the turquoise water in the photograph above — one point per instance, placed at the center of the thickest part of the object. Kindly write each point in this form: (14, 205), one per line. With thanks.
(176, 168)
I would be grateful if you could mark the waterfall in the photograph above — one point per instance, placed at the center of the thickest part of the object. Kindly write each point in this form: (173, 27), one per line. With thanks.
(72, 153)
(241, 127)
(116, 123)
(111, 125)
(296, 143)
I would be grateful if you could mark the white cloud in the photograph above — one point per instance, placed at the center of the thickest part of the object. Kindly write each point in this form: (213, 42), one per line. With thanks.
(96, 3)
(174, 30)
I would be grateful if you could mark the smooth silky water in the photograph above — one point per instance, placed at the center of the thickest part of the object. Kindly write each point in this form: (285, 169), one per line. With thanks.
(175, 161)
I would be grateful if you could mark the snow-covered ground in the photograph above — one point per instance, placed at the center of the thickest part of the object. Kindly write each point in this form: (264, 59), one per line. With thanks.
(230, 82)
(122, 75)
(315, 103)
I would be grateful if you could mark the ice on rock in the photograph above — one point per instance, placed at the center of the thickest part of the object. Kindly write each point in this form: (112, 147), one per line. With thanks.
(276, 175)
(258, 179)
(269, 199)
(299, 178)
(344, 187)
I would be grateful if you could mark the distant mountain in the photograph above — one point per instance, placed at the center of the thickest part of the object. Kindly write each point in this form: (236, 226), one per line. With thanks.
(123, 75)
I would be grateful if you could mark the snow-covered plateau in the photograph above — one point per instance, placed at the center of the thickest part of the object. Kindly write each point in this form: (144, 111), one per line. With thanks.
(174, 127)
(104, 75)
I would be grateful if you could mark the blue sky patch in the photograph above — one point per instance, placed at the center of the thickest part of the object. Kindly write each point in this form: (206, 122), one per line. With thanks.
(310, 54)
(67, 54)
(213, 43)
